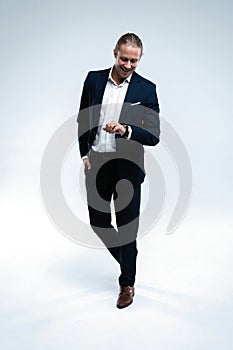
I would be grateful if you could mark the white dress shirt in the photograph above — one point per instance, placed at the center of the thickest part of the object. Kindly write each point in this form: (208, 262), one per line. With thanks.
(113, 99)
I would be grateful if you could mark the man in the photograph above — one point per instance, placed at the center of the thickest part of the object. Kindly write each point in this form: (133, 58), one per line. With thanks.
(118, 115)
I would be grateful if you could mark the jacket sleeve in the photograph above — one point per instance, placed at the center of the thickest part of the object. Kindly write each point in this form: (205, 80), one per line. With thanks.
(83, 120)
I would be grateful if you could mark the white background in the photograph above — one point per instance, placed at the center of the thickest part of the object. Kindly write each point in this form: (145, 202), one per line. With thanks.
(56, 294)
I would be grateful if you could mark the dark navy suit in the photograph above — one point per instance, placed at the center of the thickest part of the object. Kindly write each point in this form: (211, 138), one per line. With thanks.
(141, 111)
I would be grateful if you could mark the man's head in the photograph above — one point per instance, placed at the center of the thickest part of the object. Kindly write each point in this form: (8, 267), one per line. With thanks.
(127, 52)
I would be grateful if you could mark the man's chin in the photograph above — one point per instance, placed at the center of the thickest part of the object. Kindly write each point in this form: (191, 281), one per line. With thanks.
(126, 74)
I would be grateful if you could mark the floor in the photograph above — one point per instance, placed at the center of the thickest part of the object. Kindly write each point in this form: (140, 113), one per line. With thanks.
(57, 294)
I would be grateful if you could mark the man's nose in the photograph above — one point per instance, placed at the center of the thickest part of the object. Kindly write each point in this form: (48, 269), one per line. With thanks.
(128, 64)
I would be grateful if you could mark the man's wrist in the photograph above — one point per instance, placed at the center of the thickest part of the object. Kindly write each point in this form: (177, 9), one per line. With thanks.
(128, 132)
(85, 157)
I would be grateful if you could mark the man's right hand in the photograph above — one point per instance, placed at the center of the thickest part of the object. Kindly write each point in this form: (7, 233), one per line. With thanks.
(87, 163)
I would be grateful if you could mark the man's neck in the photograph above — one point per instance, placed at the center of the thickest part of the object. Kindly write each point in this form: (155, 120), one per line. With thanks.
(116, 77)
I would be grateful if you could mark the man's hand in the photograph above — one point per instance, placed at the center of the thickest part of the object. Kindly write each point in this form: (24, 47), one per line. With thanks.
(114, 128)
(87, 163)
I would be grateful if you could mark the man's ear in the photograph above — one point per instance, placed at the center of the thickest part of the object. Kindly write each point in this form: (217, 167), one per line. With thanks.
(115, 53)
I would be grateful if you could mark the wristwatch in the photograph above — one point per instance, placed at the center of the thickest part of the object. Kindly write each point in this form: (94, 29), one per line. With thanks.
(126, 133)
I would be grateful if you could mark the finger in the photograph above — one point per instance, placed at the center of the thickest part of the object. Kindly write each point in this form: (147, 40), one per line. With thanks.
(87, 164)
(106, 127)
(115, 127)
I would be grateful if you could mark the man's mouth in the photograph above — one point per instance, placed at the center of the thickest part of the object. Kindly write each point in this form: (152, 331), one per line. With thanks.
(126, 70)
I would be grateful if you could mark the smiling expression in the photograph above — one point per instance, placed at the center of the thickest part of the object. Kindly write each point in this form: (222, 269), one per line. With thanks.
(127, 58)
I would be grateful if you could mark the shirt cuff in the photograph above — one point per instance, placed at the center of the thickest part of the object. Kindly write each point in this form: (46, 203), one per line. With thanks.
(130, 133)
(84, 157)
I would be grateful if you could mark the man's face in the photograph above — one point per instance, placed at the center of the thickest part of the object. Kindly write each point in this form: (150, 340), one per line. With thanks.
(127, 58)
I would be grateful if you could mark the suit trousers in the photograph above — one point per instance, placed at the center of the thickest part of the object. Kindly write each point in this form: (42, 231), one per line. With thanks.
(103, 186)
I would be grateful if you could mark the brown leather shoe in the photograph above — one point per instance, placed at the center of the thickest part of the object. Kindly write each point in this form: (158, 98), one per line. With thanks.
(125, 297)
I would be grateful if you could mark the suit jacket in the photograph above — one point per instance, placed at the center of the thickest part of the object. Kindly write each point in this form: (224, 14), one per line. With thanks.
(140, 110)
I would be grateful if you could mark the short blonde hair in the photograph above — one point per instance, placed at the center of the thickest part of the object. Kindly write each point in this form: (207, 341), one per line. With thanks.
(129, 39)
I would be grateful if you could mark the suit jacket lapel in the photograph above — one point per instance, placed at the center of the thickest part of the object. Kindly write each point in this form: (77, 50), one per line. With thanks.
(132, 92)
(100, 86)
(98, 96)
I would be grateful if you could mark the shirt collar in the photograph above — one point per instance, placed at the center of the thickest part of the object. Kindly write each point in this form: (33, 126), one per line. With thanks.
(127, 80)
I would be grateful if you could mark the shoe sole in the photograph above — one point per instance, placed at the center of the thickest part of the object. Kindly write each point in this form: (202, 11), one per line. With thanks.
(122, 307)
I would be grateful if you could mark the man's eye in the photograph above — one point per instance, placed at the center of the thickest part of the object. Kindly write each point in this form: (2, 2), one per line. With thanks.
(133, 60)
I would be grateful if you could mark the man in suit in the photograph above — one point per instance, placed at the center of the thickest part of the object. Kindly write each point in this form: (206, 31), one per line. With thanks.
(119, 113)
